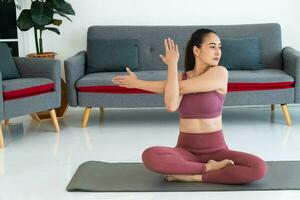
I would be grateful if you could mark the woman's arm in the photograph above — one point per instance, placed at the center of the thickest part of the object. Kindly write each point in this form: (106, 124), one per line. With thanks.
(151, 86)
(154, 86)
(132, 81)
(171, 95)
(215, 78)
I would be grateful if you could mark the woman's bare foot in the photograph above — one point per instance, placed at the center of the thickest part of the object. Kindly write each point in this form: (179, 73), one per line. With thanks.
(184, 178)
(213, 165)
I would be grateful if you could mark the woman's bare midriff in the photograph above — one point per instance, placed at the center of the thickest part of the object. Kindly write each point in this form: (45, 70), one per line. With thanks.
(201, 125)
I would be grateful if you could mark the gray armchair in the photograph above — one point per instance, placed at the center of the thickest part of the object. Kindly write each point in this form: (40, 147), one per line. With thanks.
(291, 63)
(36, 89)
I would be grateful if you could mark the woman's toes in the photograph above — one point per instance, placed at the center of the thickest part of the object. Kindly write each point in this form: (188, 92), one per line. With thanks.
(229, 161)
(211, 161)
(169, 178)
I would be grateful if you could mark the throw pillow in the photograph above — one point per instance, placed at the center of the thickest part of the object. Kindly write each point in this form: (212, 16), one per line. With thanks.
(241, 53)
(107, 55)
(7, 65)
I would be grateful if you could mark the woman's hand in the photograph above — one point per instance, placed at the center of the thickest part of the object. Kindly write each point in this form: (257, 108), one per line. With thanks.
(128, 81)
(171, 56)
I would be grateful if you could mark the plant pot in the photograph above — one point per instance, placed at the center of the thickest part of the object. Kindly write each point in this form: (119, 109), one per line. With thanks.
(49, 55)
(60, 111)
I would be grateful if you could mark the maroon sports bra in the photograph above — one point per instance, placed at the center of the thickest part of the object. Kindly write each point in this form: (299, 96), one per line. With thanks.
(201, 104)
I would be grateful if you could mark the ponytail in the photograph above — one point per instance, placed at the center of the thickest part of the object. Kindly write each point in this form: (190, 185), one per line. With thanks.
(189, 61)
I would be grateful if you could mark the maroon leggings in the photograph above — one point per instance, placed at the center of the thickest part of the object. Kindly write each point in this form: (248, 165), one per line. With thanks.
(193, 151)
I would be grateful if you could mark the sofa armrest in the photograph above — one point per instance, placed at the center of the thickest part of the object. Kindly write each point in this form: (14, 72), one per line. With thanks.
(74, 70)
(40, 67)
(1, 100)
(291, 65)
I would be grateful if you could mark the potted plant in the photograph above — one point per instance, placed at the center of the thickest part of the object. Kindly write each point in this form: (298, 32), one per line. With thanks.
(41, 17)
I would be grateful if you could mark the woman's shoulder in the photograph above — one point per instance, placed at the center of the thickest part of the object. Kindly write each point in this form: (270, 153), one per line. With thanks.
(219, 71)
(219, 68)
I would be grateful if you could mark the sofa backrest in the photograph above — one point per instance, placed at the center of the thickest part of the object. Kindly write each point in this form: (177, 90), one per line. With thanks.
(151, 40)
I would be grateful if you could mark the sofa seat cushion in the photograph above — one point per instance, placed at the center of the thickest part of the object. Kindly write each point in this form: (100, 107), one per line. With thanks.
(102, 82)
(23, 87)
(265, 79)
(239, 80)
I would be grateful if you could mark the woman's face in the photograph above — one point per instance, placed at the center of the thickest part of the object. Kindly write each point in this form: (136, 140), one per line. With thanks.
(209, 52)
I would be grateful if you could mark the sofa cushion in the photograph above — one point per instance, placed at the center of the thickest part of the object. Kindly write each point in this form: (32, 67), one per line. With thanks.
(23, 87)
(7, 65)
(265, 79)
(241, 53)
(102, 82)
(239, 80)
(111, 55)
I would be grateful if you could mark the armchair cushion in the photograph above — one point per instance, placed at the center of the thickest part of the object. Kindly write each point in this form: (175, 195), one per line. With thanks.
(7, 64)
(106, 55)
(241, 53)
(24, 87)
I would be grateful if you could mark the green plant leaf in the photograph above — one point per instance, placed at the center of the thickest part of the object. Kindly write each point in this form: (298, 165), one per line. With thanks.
(55, 30)
(24, 21)
(62, 14)
(41, 13)
(6, 1)
(56, 22)
(64, 7)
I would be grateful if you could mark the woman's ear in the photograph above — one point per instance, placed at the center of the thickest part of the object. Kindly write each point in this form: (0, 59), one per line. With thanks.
(196, 51)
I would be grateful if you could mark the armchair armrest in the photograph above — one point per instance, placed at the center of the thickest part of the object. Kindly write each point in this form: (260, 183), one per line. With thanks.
(291, 65)
(74, 70)
(1, 100)
(40, 67)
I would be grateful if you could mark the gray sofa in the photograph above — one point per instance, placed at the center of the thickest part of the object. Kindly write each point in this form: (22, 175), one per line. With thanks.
(277, 83)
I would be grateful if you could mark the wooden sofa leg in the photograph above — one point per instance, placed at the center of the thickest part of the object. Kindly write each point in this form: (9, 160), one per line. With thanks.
(54, 119)
(101, 113)
(6, 122)
(286, 113)
(86, 116)
(1, 138)
(35, 117)
(272, 107)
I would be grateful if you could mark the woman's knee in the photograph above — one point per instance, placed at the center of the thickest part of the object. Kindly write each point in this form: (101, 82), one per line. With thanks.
(158, 158)
(259, 169)
(150, 157)
(148, 153)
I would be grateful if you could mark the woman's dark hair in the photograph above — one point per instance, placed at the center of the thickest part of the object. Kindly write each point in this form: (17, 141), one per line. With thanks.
(197, 39)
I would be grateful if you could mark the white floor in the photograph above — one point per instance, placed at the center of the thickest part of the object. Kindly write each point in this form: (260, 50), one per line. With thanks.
(37, 163)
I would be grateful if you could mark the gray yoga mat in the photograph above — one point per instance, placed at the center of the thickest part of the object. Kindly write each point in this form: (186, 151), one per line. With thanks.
(96, 176)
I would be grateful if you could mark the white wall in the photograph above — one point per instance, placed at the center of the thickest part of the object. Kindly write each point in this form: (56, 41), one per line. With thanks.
(167, 12)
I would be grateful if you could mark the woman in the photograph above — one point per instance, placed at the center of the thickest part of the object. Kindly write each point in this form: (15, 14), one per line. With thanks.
(201, 153)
